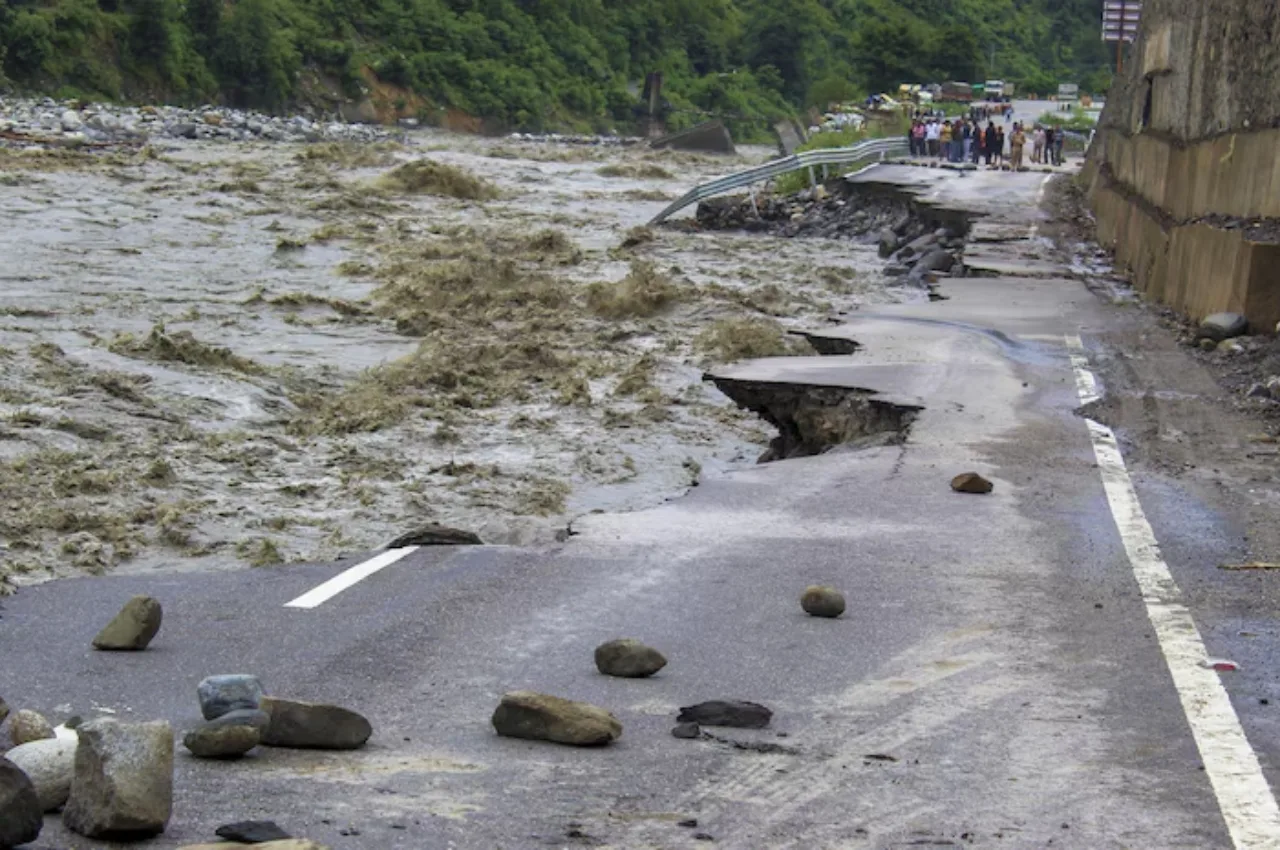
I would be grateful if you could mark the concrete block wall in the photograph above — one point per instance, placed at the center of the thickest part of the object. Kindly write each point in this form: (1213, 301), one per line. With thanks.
(1188, 156)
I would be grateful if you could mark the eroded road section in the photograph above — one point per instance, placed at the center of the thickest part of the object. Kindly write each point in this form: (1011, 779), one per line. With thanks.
(1020, 669)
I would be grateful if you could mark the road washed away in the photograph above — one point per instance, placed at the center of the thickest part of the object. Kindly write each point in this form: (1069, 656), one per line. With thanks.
(218, 353)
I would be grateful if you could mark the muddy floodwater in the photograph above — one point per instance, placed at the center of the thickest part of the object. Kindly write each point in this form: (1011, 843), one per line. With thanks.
(217, 355)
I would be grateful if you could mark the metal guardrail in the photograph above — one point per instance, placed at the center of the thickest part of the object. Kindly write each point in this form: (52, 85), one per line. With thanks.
(873, 149)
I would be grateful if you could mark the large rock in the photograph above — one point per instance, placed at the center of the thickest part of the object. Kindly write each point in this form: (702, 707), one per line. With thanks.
(888, 242)
(822, 601)
(123, 781)
(49, 764)
(26, 726)
(313, 726)
(971, 482)
(252, 832)
(629, 659)
(71, 122)
(21, 816)
(221, 740)
(133, 628)
(1220, 326)
(735, 713)
(289, 844)
(221, 694)
(540, 717)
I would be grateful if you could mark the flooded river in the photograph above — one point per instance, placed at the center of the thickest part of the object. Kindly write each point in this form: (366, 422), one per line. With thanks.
(215, 355)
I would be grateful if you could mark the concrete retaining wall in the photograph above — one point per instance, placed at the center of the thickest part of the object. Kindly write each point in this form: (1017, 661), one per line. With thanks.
(1188, 154)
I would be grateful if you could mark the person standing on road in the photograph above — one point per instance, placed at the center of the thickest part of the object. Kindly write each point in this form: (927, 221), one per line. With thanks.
(944, 136)
(932, 133)
(968, 142)
(1059, 140)
(1017, 141)
(989, 142)
(999, 145)
(1049, 135)
(978, 139)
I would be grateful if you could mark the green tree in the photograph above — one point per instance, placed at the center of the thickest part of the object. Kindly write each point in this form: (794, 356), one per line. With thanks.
(256, 60)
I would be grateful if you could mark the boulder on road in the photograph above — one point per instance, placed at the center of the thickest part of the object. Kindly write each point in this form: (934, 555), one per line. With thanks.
(735, 713)
(49, 764)
(26, 726)
(221, 694)
(133, 628)
(688, 731)
(287, 844)
(123, 781)
(21, 817)
(252, 832)
(1220, 326)
(221, 740)
(312, 726)
(971, 482)
(540, 717)
(628, 659)
(819, 601)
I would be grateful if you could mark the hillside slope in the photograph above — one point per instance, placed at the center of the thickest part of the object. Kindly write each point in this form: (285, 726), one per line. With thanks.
(532, 64)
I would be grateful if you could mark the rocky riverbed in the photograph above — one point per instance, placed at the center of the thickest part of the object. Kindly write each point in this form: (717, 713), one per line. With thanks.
(234, 349)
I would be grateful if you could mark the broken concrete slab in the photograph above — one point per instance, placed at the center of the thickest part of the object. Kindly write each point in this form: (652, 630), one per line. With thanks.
(709, 136)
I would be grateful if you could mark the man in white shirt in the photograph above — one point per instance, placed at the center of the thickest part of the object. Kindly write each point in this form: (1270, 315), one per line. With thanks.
(932, 133)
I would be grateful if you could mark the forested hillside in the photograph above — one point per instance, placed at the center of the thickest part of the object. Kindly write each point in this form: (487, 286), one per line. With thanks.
(532, 64)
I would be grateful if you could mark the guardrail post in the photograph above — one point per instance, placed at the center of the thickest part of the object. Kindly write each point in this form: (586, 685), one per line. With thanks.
(754, 207)
(812, 181)
(824, 172)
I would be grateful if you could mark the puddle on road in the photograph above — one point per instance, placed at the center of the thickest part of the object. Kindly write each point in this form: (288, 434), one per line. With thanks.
(216, 355)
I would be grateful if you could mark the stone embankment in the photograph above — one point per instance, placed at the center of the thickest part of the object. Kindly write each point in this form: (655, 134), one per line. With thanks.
(1184, 173)
(75, 122)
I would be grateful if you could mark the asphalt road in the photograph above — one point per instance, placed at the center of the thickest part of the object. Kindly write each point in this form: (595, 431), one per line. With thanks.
(996, 682)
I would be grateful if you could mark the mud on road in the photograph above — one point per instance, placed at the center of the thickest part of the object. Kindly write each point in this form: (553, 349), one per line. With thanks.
(214, 355)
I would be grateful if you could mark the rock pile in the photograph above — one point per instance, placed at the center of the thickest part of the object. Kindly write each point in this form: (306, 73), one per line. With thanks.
(46, 118)
(814, 213)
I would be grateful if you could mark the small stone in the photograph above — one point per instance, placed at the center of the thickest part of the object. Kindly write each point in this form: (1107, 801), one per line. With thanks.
(252, 832)
(213, 119)
(221, 740)
(49, 764)
(704, 836)
(221, 694)
(735, 713)
(822, 601)
(540, 717)
(123, 781)
(628, 659)
(21, 816)
(313, 726)
(133, 628)
(971, 482)
(26, 726)
(1207, 344)
(1230, 346)
(687, 731)
(689, 823)
(1259, 391)
(71, 122)
(1220, 326)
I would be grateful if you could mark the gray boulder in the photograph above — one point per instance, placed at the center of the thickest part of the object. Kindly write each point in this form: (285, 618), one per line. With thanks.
(888, 242)
(123, 781)
(222, 740)
(21, 817)
(221, 694)
(540, 717)
(133, 628)
(822, 601)
(26, 726)
(312, 726)
(71, 122)
(49, 765)
(628, 659)
(733, 713)
(935, 261)
(1220, 326)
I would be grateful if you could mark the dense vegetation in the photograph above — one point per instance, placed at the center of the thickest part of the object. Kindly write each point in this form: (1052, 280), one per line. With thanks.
(539, 63)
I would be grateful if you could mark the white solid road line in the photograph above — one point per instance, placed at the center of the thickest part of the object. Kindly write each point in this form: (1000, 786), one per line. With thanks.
(331, 588)
(1244, 797)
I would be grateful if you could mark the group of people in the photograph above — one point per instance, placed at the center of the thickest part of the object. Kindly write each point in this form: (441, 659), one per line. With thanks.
(966, 140)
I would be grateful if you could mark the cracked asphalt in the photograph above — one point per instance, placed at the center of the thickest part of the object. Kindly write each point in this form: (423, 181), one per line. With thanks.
(995, 681)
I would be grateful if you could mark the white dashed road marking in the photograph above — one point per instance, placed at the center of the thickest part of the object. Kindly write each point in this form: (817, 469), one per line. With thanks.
(345, 579)
(1244, 797)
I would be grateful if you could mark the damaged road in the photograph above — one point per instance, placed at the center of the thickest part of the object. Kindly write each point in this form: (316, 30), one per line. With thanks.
(996, 657)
